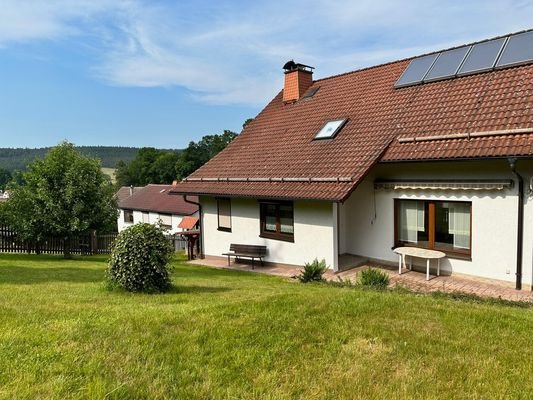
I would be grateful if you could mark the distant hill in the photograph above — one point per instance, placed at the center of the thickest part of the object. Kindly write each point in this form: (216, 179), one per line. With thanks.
(17, 159)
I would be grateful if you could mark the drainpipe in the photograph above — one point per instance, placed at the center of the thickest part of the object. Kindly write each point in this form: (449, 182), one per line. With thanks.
(200, 217)
(520, 233)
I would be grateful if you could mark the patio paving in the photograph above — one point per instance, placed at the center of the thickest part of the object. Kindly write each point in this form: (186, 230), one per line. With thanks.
(413, 280)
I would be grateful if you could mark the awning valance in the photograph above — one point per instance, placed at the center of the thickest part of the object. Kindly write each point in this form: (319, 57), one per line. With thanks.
(444, 184)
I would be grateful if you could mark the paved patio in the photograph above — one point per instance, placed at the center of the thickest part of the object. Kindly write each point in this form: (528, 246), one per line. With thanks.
(410, 279)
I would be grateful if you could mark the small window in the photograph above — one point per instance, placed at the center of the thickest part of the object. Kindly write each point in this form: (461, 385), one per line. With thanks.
(330, 129)
(224, 214)
(146, 217)
(436, 225)
(277, 221)
(166, 221)
(128, 216)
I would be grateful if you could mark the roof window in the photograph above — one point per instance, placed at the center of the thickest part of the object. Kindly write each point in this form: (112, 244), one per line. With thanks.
(331, 129)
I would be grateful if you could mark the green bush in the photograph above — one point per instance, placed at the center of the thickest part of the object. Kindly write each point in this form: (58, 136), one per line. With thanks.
(313, 272)
(373, 278)
(140, 260)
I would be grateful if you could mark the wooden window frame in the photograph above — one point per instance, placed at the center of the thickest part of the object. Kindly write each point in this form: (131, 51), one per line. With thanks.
(223, 228)
(456, 253)
(278, 235)
(165, 226)
(129, 213)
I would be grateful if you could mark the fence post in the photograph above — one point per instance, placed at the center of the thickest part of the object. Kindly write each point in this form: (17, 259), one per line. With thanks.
(94, 242)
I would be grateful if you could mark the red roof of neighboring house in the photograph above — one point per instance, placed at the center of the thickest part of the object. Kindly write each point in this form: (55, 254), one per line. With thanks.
(276, 153)
(126, 191)
(156, 198)
(188, 222)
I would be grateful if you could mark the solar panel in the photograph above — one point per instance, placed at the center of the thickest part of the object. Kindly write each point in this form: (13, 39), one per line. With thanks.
(416, 70)
(482, 57)
(518, 50)
(447, 64)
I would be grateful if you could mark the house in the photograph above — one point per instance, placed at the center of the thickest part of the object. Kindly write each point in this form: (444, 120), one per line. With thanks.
(126, 191)
(434, 151)
(153, 204)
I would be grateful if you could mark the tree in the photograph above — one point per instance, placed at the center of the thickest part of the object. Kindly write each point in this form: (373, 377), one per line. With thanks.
(5, 177)
(149, 166)
(198, 153)
(63, 195)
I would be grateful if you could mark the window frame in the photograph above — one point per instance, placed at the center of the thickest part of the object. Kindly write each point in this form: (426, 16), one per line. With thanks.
(465, 254)
(278, 235)
(223, 228)
(128, 212)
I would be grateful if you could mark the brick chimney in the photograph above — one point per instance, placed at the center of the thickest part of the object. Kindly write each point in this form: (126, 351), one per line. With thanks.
(298, 78)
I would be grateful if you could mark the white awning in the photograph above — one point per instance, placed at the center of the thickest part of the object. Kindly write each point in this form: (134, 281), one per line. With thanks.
(444, 185)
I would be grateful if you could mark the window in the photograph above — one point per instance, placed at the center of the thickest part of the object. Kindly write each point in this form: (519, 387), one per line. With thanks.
(146, 217)
(128, 216)
(277, 221)
(166, 221)
(330, 129)
(438, 225)
(224, 214)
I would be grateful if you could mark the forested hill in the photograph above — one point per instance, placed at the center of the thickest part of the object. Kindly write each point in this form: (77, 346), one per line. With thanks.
(18, 159)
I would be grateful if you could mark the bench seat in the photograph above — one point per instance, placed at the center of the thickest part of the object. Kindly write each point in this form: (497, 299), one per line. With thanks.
(246, 251)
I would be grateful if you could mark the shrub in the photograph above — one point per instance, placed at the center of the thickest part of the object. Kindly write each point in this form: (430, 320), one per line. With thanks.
(374, 278)
(140, 260)
(313, 271)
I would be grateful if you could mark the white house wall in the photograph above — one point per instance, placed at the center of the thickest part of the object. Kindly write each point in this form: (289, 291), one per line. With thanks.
(314, 227)
(153, 218)
(367, 217)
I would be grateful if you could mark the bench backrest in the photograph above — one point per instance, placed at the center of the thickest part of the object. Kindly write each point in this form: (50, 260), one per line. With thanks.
(248, 249)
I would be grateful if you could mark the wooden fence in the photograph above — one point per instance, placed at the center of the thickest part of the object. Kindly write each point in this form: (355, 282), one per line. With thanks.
(83, 245)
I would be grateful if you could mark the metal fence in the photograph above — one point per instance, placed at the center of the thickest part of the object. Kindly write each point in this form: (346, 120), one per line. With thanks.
(84, 244)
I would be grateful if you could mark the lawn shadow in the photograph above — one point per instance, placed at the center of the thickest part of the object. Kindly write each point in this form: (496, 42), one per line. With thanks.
(31, 276)
(183, 289)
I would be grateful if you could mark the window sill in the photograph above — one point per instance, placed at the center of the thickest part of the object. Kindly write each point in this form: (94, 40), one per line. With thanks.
(275, 236)
(224, 229)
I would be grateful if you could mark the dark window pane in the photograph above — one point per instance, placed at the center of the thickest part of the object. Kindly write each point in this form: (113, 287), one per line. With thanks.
(452, 225)
(286, 219)
(519, 49)
(482, 57)
(270, 217)
(416, 70)
(447, 64)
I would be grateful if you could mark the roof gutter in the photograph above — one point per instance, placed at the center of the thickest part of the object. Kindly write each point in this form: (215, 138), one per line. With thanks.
(520, 230)
(200, 217)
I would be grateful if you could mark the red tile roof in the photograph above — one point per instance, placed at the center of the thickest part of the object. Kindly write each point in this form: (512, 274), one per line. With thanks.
(125, 192)
(188, 222)
(279, 142)
(157, 198)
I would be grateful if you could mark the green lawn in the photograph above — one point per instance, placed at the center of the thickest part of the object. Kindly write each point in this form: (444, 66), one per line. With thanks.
(225, 334)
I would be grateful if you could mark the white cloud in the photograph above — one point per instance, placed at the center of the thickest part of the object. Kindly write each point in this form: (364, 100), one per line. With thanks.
(233, 53)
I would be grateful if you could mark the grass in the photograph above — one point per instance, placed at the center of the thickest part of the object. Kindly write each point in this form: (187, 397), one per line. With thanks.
(111, 172)
(233, 335)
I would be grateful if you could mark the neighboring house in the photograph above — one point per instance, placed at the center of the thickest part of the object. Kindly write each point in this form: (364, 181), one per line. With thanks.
(434, 151)
(4, 196)
(153, 204)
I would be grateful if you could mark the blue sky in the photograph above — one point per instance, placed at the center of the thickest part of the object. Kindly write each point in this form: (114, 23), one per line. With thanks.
(163, 73)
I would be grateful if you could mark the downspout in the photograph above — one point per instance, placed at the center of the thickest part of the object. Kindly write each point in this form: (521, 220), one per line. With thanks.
(520, 233)
(200, 217)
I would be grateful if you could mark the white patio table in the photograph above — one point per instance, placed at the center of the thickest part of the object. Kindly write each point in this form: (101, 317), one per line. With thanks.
(419, 253)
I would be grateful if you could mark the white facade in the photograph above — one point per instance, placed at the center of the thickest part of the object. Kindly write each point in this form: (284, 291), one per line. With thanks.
(365, 224)
(151, 218)
(314, 231)
(367, 217)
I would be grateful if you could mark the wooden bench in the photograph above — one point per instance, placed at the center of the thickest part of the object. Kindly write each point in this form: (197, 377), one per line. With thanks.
(246, 251)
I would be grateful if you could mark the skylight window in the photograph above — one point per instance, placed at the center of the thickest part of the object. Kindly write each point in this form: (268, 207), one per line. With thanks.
(330, 129)
(311, 92)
